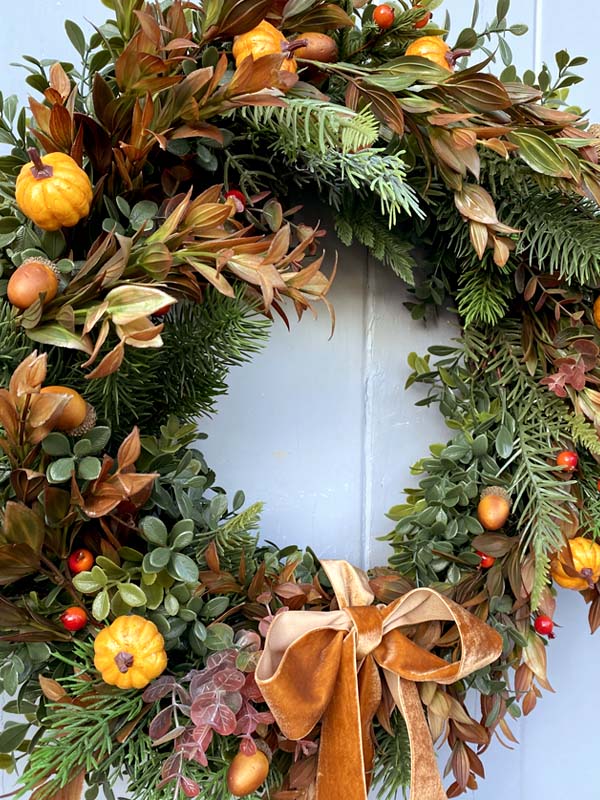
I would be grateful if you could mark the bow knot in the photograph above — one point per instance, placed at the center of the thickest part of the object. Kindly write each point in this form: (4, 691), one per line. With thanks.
(328, 666)
(368, 627)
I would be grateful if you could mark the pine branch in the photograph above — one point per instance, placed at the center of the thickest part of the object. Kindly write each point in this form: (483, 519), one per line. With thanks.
(484, 292)
(358, 221)
(583, 433)
(334, 149)
(392, 765)
(234, 540)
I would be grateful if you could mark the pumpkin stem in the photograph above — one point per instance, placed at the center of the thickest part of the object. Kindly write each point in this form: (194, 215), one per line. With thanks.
(124, 661)
(40, 171)
(588, 575)
(289, 47)
(452, 56)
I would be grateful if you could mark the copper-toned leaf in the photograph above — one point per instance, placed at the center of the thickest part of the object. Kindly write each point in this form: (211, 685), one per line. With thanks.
(481, 92)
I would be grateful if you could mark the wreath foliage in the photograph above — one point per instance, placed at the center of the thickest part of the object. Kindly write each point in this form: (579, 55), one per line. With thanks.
(199, 126)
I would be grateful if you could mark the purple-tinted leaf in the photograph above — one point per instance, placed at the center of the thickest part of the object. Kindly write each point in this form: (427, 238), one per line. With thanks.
(247, 660)
(209, 709)
(189, 787)
(161, 723)
(230, 680)
(183, 695)
(248, 640)
(221, 659)
(158, 689)
(174, 733)
(172, 766)
(248, 746)
(233, 700)
(194, 744)
(251, 690)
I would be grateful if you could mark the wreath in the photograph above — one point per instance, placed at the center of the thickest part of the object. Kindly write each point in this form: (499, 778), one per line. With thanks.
(150, 234)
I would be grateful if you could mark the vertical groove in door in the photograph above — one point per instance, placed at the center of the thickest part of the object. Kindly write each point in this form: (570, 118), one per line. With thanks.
(367, 426)
(538, 29)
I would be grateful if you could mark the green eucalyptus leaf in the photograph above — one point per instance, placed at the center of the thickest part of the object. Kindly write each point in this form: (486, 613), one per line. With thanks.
(131, 594)
(183, 568)
(101, 606)
(60, 471)
(89, 468)
(56, 444)
(154, 530)
(219, 637)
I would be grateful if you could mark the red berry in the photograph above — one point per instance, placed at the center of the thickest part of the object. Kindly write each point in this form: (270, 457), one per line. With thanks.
(598, 484)
(544, 626)
(420, 23)
(162, 311)
(384, 16)
(567, 460)
(80, 561)
(239, 199)
(74, 618)
(485, 561)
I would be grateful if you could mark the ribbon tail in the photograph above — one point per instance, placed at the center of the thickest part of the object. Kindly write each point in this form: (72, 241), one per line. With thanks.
(341, 769)
(425, 783)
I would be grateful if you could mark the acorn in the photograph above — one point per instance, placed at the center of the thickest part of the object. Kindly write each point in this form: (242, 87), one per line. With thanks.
(77, 417)
(34, 276)
(247, 773)
(494, 508)
(318, 47)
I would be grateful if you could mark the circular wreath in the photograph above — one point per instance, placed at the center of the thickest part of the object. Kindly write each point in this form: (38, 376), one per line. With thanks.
(150, 233)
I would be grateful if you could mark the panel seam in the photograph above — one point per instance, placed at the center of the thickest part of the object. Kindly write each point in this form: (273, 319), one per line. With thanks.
(367, 438)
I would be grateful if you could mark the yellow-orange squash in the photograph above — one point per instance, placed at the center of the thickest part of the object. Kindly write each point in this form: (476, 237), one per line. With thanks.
(53, 191)
(586, 561)
(247, 773)
(263, 40)
(433, 48)
(130, 652)
(34, 277)
(597, 311)
(75, 411)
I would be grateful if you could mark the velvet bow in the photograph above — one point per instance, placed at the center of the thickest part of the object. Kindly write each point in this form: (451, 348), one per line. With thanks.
(327, 667)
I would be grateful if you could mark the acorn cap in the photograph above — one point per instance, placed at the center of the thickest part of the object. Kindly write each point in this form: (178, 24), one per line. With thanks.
(88, 423)
(496, 491)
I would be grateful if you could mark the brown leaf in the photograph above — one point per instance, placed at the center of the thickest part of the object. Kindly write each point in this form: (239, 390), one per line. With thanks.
(59, 80)
(384, 105)
(130, 450)
(495, 544)
(52, 690)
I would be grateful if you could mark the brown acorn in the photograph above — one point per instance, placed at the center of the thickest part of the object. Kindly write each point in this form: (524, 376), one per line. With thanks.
(34, 276)
(494, 508)
(247, 773)
(76, 416)
(318, 47)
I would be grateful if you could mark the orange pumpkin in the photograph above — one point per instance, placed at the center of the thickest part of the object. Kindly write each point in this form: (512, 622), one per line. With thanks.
(586, 561)
(263, 40)
(53, 192)
(433, 48)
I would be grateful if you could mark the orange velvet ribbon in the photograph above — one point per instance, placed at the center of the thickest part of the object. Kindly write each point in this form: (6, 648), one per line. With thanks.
(327, 667)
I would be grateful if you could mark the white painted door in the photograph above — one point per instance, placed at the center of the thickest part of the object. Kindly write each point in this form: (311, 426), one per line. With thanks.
(325, 434)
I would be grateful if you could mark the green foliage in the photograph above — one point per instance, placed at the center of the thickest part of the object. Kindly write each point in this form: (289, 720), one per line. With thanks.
(201, 344)
(14, 345)
(358, 221)
(335, 150)
(484, 293)
(392, 763)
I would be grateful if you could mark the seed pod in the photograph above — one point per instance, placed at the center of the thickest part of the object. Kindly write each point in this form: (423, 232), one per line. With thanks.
(34, 277)
(318, 47)
(494, 508)
(247, 773)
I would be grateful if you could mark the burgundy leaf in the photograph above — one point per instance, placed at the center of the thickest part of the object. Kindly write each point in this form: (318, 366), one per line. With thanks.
(161, 723)
(209, 709)
(189, 787)
(172, 767)
(230, 680)
(174, 733)
(248, 746)
(251, 690)
(158, 689)
(248, 640)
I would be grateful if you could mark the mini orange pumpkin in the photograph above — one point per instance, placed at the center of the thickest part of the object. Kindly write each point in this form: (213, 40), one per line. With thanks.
(586, 561)
(433, 48)
(130, 652)
(34, 277)
(53, 192)
(263, 40)
(597, 311)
